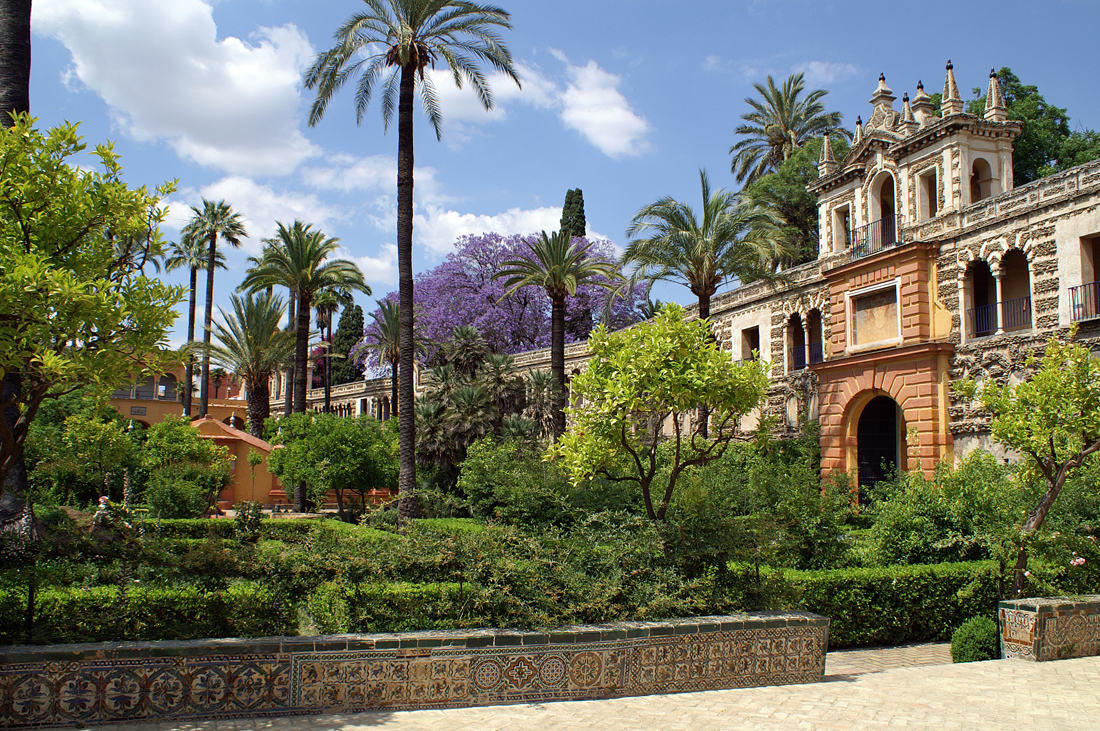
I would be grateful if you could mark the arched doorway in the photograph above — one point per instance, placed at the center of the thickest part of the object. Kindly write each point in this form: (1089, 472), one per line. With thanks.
(878, 442)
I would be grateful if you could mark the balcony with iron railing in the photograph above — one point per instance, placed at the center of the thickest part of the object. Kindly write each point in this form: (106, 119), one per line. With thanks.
(1084, 302)
(800, 355)
(1014, 315)
(875, 237)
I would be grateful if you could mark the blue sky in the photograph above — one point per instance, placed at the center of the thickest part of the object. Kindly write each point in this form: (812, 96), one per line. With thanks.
(625, 99)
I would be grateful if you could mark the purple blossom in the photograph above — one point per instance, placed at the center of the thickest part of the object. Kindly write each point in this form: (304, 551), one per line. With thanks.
(461, 291)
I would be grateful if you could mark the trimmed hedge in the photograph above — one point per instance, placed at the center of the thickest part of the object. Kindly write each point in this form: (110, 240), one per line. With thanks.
(897, 604)
(396, 607)
(97, 614)
(278, 529)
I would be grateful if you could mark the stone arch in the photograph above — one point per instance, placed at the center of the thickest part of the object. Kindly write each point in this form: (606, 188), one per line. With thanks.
(870, 438)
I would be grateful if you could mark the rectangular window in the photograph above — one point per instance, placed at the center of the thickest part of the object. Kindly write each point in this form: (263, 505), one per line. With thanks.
(750, 341)
(842, 228)
(928, 195)
(875, 317)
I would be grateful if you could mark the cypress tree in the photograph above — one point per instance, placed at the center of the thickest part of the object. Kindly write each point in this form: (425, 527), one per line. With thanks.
(572, 213)
(349, 332)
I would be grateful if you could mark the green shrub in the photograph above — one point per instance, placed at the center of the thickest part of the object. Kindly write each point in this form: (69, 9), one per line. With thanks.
(975, 640)
(101, 614)
(191, 528)
(338, 608)
(248, 520)
(897, 604)
(174, 496)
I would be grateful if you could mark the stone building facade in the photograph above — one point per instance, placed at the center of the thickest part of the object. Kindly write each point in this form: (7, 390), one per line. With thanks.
(932, 266)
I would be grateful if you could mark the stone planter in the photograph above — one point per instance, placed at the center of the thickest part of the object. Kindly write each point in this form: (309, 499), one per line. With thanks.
(235, 678)
(1052, 628)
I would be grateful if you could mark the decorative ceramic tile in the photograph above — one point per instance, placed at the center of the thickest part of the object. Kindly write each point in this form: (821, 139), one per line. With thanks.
(230, 679)
(1052, 628)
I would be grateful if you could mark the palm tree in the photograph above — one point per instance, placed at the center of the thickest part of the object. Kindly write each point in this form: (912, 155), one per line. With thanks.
(384, 338)
(326, 303)
(542, 395)
(253, 346)
(736, 239)
(399, 39)
(558, 266)
(298, 259)
(777, 124)
(207, 224)
(190, 252)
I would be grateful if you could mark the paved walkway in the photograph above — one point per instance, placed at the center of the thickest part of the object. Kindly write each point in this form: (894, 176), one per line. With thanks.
(1002, 695)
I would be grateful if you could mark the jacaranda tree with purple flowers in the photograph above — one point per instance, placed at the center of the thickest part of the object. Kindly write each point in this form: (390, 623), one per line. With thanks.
(461, 291)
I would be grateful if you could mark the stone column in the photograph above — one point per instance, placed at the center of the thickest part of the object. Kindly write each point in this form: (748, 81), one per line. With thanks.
(962, 309)
(999, 275)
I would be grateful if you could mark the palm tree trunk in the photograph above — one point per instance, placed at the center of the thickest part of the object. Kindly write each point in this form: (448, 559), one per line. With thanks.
(557, 360)
(257, 397)
(394, 370)
(15, 58)
(327, 372)
(704, 413)
(288, 386)
(409, 507)
(15, 83)
(204, 391)
(189, 374)
(301, 353)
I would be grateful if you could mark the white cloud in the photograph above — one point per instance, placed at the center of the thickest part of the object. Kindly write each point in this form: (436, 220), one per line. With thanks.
(589, 102)
(438, 228)
(260, 206)
(381, 269)
(229, 103)
(825, 72)
(596, 108)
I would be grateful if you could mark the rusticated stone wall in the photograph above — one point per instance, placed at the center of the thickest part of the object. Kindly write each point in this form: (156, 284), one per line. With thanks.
(1051, 628)
(222, 679)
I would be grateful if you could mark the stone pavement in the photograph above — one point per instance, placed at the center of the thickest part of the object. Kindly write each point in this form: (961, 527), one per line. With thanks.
(1002, 695)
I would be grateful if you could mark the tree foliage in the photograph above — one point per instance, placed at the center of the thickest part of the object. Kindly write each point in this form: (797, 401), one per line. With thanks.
(639, 388)
(330, 452)
(461, 291)
(784, 192)
(572, 213)
(1052, 420)
(349, 331)
(780, 122)
(1046, 145)
(76, 308)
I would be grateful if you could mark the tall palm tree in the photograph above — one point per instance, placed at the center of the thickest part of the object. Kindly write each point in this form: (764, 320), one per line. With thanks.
(559, 266)
(394, 41)
(253, 346)
(779, 123)
(735, 239)
(190, 252)
(325, 303)
(384, 338)
(15, 84)
(15, 59)
(207, 224)
(298, 259)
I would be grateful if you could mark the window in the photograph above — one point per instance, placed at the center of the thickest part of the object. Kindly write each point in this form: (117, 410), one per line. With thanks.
(874, 317)
(750, 341)
(928, 195)
(842, 228)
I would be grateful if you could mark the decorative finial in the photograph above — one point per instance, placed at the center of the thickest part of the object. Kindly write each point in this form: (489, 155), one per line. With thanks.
(908, 123)
(952, 102)
(883, 96)
(826, 165)
(859, 130)
(995, 109)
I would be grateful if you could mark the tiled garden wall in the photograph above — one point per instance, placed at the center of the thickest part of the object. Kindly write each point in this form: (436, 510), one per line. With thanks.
(67, 684)
(1053, 628)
